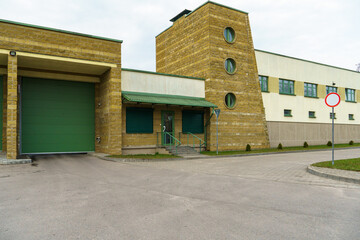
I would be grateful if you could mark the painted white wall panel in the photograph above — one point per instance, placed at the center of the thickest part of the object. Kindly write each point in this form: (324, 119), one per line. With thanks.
(161, 84)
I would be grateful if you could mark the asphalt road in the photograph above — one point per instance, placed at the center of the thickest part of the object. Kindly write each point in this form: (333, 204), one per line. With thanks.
(257, 197)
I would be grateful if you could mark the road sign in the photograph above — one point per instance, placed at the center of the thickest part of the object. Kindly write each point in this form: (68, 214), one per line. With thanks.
(332, 99)
(217, 112)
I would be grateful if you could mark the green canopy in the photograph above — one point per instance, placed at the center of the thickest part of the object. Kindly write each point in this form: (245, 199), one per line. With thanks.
(140, 97)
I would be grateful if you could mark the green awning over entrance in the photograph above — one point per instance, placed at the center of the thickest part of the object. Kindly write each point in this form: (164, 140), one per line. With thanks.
(165, 99)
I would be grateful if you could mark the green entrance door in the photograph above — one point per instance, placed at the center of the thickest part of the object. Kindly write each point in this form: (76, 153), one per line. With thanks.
(168, 127)
(57, 116)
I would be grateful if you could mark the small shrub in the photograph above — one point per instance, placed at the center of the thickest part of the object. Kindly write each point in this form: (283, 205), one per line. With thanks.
(157, 153)
(306, 145)
(351, 142)
(329, 144)
(248, 148)
(280, 147)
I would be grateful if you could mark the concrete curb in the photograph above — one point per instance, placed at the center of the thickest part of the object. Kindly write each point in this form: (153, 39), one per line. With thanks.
(136, 159)
(14, 161)
(335, 174)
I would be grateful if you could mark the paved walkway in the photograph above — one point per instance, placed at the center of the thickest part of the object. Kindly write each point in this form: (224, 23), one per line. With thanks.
(285, 167)
(258, 197)
(293, 170)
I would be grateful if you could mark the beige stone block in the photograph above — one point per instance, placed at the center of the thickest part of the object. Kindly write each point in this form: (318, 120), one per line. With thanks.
(299, 88)
(273, 85)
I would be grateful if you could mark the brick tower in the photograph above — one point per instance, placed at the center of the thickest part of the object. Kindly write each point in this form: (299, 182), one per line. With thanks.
(214, 42)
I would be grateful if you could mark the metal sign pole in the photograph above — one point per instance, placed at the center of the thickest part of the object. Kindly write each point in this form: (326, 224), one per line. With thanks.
(217, 137)
(332, 100)
(333, 135)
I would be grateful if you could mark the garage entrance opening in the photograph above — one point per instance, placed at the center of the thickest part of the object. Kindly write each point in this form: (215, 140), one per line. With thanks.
(57, 116)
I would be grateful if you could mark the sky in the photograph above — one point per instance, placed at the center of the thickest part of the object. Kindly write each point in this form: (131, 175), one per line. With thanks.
(324, 31)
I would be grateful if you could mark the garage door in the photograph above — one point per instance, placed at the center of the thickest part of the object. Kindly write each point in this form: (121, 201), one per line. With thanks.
(57, 116)
(1, 110)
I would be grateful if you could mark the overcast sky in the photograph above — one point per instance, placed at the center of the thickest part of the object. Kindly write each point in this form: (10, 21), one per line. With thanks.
(325, 31)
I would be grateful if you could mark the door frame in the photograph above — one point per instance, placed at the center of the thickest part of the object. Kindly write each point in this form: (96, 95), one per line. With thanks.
(162, 125)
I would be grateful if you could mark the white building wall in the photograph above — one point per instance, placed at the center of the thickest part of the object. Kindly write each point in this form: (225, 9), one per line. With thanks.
(147, 82)
(300, 106)
(278, 66)
(283, 67)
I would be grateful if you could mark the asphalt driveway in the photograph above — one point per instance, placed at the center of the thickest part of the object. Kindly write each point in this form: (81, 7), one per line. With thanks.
(257, 197)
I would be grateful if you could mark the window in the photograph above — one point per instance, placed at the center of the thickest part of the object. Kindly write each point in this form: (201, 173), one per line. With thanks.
(229, 35)
(350, 95)
(330, 89)
(351, 117)
(287, 113)
(230, 100)
(310, 90)
(230, 65)
(331, 116)
(263, 83)
(286, 86)
(312, 114)
(193, 121)
(139, 120)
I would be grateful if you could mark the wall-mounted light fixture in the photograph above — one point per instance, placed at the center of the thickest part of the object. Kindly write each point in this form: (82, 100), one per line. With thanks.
(12, 53)
(98, 139)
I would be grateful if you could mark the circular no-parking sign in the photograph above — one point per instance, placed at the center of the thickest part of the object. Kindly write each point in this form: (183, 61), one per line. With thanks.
(332, 99)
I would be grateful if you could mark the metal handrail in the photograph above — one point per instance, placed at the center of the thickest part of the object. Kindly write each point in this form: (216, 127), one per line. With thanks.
(176, 141)
(201, 142)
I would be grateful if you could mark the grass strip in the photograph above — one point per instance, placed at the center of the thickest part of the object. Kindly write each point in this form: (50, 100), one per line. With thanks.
(352, 164)
(285, 149)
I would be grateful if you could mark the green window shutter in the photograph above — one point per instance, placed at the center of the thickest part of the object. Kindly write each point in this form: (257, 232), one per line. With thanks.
(193, 121)
(139, 120)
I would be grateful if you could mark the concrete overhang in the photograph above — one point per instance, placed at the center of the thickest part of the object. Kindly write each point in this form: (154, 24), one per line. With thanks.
(47, 66)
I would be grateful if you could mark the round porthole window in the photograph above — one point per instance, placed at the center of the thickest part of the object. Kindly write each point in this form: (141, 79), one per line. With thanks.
(230, 65)
(230, 100)
(229, 34)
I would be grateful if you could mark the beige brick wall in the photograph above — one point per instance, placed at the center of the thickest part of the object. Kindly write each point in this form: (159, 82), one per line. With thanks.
(195, 46)
(151, 139)
(4, 128)
(48, 42)
(108, 104)
(12, 106)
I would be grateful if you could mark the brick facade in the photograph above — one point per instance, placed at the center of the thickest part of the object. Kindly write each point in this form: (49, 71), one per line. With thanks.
(195, 46)
(52, 42)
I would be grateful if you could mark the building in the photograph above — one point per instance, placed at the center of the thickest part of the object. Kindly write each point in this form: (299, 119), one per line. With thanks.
(66, 92)
(294, 91)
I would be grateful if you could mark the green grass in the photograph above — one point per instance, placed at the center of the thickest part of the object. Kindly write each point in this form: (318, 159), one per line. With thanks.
(285, 149)
(346, 164)
(144, 156)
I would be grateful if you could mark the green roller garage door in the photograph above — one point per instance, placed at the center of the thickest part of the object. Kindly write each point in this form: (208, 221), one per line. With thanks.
(1, 110)
(57, 116)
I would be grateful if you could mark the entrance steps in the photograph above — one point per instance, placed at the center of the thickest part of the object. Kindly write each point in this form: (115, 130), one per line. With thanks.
(184, 151)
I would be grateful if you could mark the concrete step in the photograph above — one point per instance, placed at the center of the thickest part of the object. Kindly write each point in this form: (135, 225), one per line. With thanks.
(182, 151)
